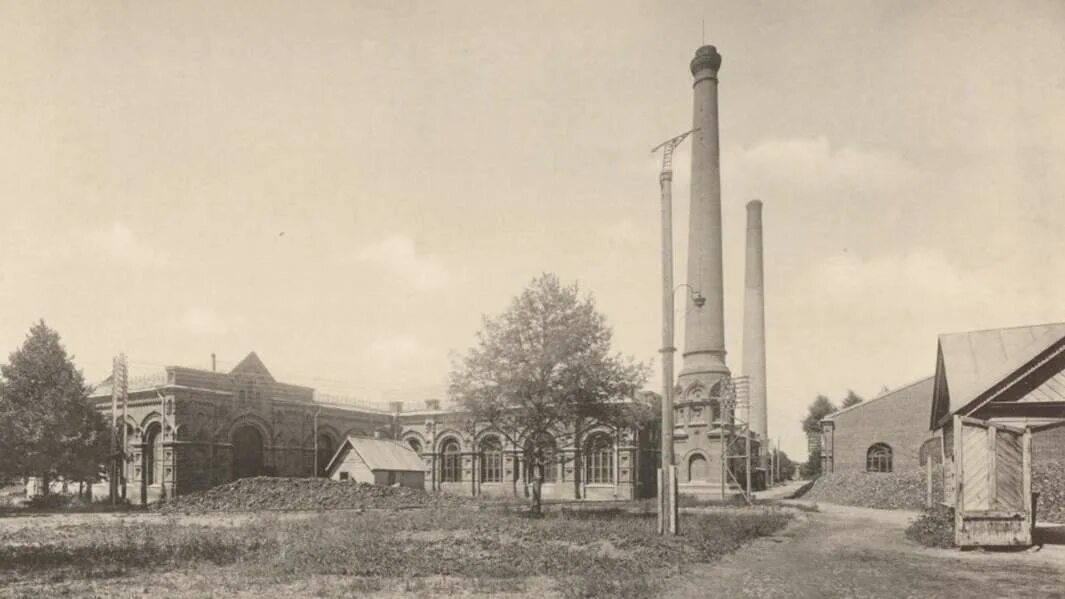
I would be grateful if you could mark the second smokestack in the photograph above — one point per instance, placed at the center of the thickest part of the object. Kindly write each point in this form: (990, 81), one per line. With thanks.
(754, 322)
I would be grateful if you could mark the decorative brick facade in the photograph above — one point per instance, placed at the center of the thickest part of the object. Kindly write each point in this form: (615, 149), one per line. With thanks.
(191, 429)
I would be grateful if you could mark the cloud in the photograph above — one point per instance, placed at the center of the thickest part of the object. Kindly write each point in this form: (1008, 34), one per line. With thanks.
(398, 353)
(398, 255)
(206, 321)
(121, 243)
(622, 231)
(814, 163)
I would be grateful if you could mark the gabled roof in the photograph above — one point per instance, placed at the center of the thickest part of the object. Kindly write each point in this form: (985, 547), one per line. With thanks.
(920, 386)
(252, 365)
(970, 364)
(381, 454)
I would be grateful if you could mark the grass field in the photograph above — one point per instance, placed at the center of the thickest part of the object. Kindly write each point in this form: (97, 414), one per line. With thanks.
(606, 553)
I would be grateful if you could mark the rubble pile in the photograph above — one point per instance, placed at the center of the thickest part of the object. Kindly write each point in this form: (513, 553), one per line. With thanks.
(267, 493)
(883, 490)
(1048, 479)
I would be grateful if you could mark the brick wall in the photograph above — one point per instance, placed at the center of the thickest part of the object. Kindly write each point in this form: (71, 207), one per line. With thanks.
(898, 419)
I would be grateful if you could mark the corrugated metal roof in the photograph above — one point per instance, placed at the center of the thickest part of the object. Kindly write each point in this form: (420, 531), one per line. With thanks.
(973, 362)
(382, 454)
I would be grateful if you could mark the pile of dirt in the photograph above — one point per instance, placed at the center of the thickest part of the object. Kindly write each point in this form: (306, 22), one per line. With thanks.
(267, 493)
(1048, 479)
(883, 490)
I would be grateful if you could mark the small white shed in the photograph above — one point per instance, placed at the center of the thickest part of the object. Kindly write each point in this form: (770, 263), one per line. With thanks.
(377, 461)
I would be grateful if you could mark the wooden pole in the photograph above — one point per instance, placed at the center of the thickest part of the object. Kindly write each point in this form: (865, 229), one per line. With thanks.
(666, 499)
(112, 483)
(929, 500)
(124, 392)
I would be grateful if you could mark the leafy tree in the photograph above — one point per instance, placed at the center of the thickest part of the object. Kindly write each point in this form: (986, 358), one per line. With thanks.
(785, 467)
(49, 427)
(544, 368)
(818, 409)
(811, 425)
(852, 399)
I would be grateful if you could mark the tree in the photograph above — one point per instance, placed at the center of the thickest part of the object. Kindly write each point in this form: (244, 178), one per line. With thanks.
(852, 399)
(818, 409)
(811, 425)
(544, 368)
(49, 427)
(785, 467)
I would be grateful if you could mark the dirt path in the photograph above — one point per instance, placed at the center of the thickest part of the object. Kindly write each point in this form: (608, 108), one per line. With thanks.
(854, 552)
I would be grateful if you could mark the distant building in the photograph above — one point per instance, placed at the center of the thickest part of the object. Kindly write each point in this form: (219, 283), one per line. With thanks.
(190, 429)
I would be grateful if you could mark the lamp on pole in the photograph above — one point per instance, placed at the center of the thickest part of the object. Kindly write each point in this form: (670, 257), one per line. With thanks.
(667, 481)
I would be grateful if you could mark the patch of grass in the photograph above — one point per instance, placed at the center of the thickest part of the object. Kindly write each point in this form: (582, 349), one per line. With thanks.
(583, 553)
(934, 528)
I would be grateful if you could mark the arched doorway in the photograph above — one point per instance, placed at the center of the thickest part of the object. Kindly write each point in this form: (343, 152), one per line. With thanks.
(153, 454)
(247, 452)
(327, 447)
(698, 469)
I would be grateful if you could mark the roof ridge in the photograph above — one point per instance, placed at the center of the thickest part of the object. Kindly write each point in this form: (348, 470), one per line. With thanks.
(882, 395)
(1013, 328)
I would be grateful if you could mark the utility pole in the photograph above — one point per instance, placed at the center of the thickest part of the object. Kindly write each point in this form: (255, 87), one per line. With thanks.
(667, 474)
(112, 479)
(123, 391)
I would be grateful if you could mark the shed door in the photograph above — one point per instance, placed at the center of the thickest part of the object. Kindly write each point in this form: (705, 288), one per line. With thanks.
(993, 464)
(993, 483)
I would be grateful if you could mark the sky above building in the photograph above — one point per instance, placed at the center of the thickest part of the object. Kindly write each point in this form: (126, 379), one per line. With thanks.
(348, 187)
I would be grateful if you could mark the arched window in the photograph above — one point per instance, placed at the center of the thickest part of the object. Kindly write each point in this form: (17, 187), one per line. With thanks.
(415, 445)
(698, 469)
(547, 461)
(491, 460)
(599, 460)
(451, 462)
(878, 458)
(327, 447)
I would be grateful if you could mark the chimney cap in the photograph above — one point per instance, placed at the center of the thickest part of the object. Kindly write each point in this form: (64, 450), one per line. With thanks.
(706, 58)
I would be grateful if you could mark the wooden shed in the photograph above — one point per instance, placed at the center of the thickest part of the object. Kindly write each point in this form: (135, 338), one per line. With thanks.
(377, 461)
(993, 390)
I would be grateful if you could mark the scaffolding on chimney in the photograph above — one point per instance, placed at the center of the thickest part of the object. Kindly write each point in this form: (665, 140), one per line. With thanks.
(735, 401)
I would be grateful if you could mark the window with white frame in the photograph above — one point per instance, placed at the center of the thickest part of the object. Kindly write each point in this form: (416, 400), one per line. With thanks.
(599, 459)
(491, 460)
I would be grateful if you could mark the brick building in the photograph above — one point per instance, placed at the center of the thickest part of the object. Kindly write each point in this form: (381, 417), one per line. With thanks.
(884, 433)
(189, 429)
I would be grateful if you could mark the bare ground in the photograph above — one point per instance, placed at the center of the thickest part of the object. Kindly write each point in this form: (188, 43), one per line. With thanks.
(857, 552)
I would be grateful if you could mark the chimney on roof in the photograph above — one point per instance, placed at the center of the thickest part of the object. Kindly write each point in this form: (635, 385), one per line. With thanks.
(214, 364)
(432, 404)
(395, 406)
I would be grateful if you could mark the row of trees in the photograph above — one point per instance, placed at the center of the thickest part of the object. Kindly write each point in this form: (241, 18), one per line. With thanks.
(811, 425)
(48, 428)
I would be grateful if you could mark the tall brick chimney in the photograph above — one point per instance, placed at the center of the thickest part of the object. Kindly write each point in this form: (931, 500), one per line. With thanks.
(754, 322)
(704, 327)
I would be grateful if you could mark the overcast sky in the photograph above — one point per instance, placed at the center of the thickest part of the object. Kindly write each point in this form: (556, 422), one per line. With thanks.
(347, 187)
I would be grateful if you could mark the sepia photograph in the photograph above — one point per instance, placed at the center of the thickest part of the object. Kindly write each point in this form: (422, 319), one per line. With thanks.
(472, 298)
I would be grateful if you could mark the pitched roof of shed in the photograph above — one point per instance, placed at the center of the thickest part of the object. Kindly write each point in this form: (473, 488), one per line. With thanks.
(973, 362)
(382, 454)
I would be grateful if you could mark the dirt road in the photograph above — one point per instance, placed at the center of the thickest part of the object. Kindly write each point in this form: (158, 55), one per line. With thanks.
(854, 552)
